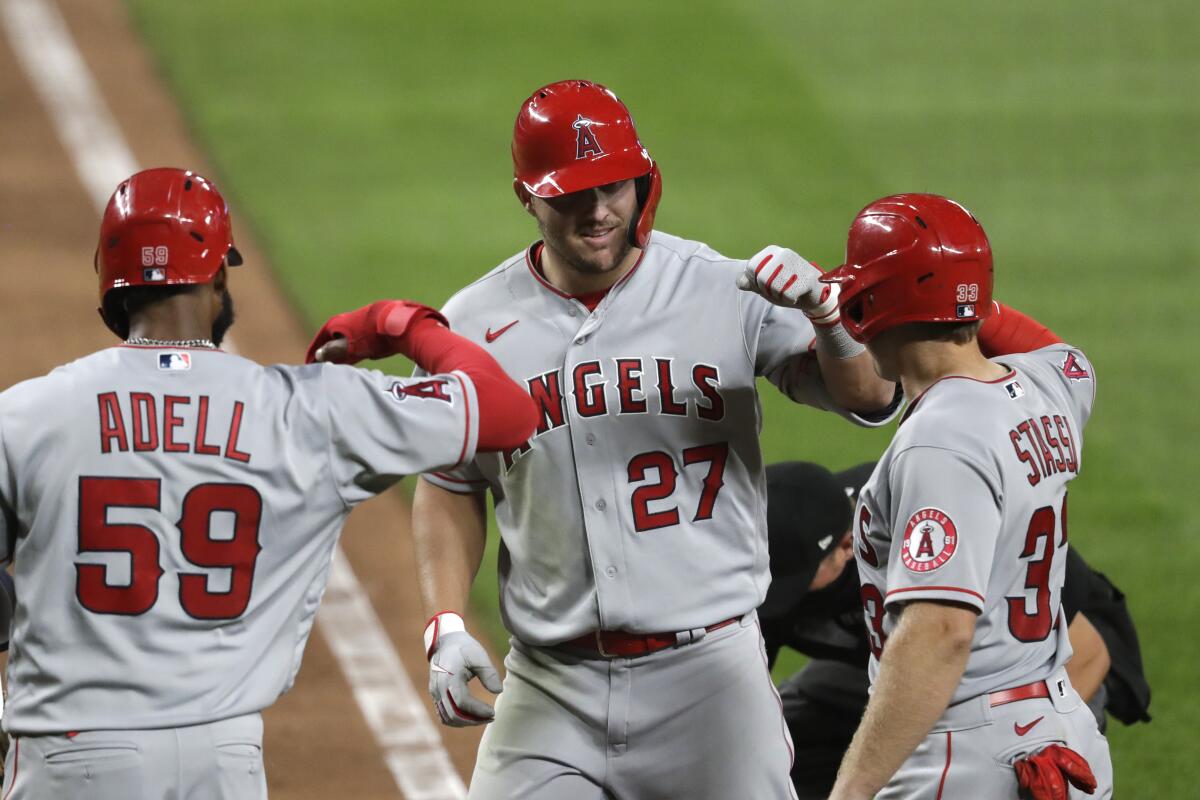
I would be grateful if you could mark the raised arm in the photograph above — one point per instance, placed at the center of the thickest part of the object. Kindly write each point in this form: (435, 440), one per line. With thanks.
(784, 278)
(507, 415)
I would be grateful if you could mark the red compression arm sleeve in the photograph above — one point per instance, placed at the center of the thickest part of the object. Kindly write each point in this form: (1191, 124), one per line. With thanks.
(1009, 331)
(507, 414)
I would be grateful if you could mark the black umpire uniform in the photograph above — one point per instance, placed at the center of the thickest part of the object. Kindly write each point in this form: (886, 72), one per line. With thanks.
(809, 510)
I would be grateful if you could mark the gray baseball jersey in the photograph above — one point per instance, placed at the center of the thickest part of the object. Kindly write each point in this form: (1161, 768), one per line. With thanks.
(639, 504)
(968, 504)
(172, 513)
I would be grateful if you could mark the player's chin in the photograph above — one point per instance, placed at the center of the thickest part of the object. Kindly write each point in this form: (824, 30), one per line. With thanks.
(603, 256)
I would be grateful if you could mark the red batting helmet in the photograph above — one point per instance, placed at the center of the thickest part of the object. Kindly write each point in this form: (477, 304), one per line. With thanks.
(913, 258)
(164, 226)
(575, 135)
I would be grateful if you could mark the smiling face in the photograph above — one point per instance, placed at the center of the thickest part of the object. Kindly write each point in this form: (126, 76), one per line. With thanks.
(588, 230)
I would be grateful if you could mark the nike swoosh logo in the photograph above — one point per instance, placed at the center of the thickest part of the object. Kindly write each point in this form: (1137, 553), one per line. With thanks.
(439, 668)
(1021, 730)
(492, 336)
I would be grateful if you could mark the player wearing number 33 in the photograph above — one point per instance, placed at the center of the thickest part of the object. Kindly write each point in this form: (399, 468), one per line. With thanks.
(171, 509)
(633, 522)
(960, 534)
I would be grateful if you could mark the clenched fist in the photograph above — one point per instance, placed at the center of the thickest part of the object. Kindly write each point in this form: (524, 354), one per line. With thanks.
(786, 279)
(374, 331)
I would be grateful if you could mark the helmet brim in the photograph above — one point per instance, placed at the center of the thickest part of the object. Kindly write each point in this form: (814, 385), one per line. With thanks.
(839, 275)
(589, 173)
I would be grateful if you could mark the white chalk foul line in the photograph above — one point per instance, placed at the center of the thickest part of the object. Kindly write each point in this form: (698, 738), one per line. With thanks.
(394, 711)
(45, 49)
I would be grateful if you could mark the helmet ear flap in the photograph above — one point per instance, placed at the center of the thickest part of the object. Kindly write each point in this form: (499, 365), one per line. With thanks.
(649, 191)
(522, 193)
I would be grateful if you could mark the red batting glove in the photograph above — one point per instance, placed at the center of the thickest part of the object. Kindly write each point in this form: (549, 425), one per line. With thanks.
(1042, 774)
(373, 331)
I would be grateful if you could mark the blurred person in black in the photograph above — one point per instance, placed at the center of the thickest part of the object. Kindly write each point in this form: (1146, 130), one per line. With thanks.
(813, 606)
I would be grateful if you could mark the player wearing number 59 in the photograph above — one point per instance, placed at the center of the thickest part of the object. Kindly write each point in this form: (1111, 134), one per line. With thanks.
(171, 509)
(960, 534)
(633, 533)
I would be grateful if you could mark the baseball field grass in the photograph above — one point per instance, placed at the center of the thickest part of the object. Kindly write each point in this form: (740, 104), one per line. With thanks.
(367, 142)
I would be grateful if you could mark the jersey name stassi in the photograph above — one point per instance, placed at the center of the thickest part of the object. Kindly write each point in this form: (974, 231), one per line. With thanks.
(1047, 445)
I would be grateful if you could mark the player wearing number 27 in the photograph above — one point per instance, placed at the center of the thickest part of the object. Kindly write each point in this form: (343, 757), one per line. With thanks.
(171, 509)
(632, 523)
(960, 533)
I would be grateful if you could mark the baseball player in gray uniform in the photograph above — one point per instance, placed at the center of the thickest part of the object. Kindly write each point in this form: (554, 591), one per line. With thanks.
(633, 538)
(960, 534)
(171, 509)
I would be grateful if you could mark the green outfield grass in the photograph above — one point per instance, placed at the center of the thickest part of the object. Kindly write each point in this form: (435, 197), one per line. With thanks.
(366, 143)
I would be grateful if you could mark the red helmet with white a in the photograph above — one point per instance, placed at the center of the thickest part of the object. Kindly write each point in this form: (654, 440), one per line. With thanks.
(913, 258)
(576, 135)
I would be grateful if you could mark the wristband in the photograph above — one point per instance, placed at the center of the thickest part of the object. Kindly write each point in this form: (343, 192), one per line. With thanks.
(834, 340)
(439, 625)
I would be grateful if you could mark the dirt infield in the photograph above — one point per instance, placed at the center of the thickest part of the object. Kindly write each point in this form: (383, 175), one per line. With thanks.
(317, 743)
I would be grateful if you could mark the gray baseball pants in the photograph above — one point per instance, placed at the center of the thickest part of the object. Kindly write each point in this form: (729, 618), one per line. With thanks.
(200, 762)
(702, 721)
(970, 751)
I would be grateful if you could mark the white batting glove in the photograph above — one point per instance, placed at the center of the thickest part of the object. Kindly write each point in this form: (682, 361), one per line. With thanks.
(786, 279)
(454, 658)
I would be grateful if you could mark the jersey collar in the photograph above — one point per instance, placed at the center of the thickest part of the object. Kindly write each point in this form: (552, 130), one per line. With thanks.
(169, 347)
(1012, 373)
(533, 260)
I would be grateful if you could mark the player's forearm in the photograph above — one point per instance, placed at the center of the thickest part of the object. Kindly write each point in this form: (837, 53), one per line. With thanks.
(449, 534)
(932, 644)
(853, 383)
(1090, 661)
(507, 414)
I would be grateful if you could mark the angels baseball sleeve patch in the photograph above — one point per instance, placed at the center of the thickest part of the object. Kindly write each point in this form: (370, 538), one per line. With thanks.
(930, 540)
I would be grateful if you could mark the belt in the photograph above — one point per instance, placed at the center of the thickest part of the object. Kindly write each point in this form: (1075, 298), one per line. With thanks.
(1029, 691)
(619, 644)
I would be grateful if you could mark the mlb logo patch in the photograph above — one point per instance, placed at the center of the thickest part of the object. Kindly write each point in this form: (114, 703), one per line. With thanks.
(154, 275)
(1014, 389)
(965, 310)
(175, 361)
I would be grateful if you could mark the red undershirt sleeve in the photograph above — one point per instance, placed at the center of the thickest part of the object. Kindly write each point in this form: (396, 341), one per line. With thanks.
(1007, 331)
(507, 414)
